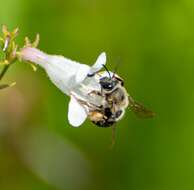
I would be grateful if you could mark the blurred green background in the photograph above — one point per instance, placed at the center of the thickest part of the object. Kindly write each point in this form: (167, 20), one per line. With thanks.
(154, 43)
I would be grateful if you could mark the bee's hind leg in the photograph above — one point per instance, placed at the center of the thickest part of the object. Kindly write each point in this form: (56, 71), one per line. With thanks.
(113, 136)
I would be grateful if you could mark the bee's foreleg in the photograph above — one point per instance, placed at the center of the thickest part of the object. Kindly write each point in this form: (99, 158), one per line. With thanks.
(95, 92)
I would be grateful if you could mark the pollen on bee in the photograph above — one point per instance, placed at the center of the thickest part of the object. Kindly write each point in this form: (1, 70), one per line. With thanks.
(95, 116)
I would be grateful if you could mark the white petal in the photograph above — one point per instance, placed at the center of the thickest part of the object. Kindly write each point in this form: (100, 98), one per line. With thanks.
(34, 55)
(101, 60)
(82, 72)
(76, 113)
(65, 73)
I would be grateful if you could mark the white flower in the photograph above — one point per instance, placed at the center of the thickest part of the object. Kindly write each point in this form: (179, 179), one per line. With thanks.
(71, 78)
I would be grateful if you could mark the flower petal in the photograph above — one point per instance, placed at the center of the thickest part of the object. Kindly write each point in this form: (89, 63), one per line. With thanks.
(98, 65)
(76, 113)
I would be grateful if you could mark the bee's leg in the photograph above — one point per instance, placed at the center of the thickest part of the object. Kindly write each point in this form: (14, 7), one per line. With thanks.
(92, 92)
(95, 92)
(82, 102)
(86, 104)
(113, 136)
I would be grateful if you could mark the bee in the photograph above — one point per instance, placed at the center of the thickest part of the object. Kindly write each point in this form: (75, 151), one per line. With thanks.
(105, 105)
(115, 101)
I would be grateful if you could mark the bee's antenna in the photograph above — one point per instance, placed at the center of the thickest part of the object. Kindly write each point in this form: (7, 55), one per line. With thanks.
(116, 67)
(107, 71)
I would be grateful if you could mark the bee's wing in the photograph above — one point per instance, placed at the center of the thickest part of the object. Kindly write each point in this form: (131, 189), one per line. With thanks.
(139, 109)
(76, 113)
(98, 65)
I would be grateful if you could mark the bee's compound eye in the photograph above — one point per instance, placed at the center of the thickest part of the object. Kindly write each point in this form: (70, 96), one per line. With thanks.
(109, 86)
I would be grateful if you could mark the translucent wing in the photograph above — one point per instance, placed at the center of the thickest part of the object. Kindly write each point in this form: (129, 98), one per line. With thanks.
(139, 109)
(76, 113)
(101, 60)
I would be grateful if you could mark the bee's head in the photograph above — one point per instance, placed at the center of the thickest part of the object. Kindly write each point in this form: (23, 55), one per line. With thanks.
(108, 83)
(110, 80)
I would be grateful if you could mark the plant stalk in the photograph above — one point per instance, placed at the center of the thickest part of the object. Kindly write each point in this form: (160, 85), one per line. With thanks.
(6, 67)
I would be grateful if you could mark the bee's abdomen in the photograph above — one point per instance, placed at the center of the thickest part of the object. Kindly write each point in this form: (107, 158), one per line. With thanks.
(104, 123)
(109, 118)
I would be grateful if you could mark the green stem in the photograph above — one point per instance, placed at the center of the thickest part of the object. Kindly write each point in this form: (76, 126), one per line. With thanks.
(6, 67)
